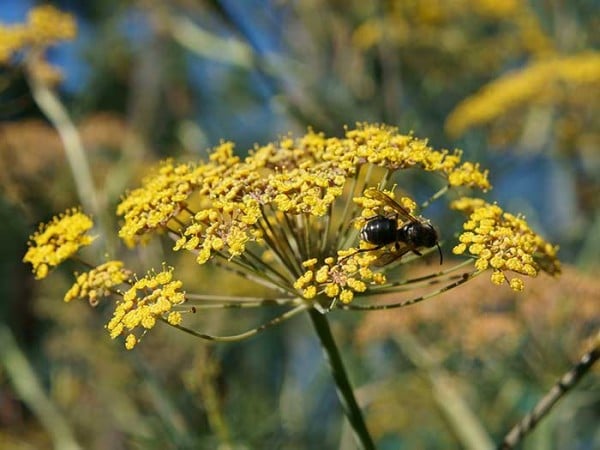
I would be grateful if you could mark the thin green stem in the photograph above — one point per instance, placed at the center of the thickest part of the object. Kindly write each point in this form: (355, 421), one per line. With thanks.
(384, 179)
(270, 235)
(241, 270)
(238, 299)
(19, 371)
(342, 383)
(246, 334)
(355, 307)
(253, 273)
(435, 196)
(325, 232)
(258, 263)
(292, 227)
(558, 391)
(244, 273)
(49, 103)
(349, 208)
(232, 302)
(413, 281)
(306, 231)
(283, 241)
(373, 290)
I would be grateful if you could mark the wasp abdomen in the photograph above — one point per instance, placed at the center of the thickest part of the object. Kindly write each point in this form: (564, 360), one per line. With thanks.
(379, 231)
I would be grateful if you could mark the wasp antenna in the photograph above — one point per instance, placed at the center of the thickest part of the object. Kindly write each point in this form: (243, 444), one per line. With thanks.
(441, 254)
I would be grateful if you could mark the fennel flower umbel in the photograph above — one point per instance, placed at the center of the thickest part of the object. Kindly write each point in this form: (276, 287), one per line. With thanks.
(293, 217)
(288, 216)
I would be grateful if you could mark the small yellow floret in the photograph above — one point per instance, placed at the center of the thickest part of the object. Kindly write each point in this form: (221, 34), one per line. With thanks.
(516, 284)
(503, 242)
(150, 298)
(346, 296)
(98, 282)
(309, 292)
(58, 240)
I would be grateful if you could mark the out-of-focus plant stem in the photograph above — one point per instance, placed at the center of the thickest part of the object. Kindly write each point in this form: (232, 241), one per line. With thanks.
(56, 113)
(543, 407)
(464, 422)
(212, 404)
(279, 72)
(27, 385)
(230, 51)
(344, 389)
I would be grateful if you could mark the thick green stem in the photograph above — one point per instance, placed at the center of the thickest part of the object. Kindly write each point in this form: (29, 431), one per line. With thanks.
(344, 389)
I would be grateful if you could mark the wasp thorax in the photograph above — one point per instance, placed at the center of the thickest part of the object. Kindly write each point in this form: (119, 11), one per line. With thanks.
(420, 234)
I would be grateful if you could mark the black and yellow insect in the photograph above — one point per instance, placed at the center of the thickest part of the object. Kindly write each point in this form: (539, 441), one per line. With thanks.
(380, 230)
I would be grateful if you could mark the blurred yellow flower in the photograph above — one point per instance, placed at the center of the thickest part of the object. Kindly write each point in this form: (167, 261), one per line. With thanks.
(150, 298)
(45, 26)
(57, 240)
(12, 39)
(503, 242)
(541, 81)
(98, 282)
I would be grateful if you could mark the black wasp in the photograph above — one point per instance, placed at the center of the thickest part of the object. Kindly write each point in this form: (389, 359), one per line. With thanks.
(382, 230)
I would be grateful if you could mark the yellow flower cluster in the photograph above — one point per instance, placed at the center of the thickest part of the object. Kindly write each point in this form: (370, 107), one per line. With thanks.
(543, 80)
(235, 199)
(150, 298)
(281, 199)
(225, 227)
(383, 146)
(45, 25)
(339, 279)
(452, 30)
(48, 24)
(503, 242)
(228, 213)
(98, 282)
(162, 196)
(12, 39)
(307, 190)
(57, 240)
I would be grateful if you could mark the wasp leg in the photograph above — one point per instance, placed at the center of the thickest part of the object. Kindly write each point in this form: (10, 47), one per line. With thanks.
(360, 250)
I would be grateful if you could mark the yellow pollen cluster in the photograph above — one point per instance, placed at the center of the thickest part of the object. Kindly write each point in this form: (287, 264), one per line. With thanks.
(57, 240)
(45, 25)
(226, 226)
(229, 191)
(98, 282)
(503, 242)
(383, 146)
(469, 174)
(161, 197)
(339, 279)
(306, 190)
(150, 298)
(12, 39)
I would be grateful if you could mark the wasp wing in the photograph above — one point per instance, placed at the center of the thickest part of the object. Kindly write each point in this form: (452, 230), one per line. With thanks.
(403, 213)
(389, 256)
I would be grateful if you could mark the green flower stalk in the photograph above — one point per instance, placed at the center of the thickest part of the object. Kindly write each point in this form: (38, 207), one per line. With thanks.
(291, 216)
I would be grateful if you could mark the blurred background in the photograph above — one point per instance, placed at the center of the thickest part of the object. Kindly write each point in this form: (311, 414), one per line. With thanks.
(515, 84)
